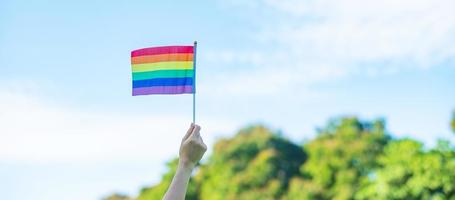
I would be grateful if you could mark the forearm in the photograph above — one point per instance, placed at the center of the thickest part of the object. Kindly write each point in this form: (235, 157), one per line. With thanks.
(177, 189)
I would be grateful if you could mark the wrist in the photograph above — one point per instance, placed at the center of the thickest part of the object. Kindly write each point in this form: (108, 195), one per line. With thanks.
(186, 166)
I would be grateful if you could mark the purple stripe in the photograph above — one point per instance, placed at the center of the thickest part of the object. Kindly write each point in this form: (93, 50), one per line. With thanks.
(163, 90)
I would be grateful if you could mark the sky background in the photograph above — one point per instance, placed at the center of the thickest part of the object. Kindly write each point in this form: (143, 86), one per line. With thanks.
(70, 129)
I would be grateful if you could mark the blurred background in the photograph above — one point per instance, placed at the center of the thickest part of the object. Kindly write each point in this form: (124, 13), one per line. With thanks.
(297, 99)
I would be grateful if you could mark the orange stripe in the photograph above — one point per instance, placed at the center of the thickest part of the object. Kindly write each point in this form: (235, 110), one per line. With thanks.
(162, 58)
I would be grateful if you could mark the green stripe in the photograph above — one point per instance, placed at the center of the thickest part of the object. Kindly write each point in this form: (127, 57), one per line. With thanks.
(162, 74)
(171, 65)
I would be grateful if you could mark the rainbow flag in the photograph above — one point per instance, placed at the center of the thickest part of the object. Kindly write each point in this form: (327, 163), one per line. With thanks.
(163, 70)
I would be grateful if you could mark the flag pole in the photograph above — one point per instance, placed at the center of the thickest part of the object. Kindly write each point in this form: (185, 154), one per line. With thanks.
(194, 82)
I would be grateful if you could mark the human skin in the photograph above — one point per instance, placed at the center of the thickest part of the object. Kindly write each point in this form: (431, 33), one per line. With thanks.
(192, 148)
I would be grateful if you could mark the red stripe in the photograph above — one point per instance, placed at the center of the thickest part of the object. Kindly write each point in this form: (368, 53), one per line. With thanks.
(162, 50)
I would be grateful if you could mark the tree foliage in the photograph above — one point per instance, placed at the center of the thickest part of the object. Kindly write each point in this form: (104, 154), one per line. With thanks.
(348, 159)
(340, 160)
(409, 172)
(118, 197)
(255, 164)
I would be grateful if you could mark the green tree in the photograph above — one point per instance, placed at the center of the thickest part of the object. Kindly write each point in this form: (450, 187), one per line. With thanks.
(349, 159)
(118, 197)
(409, 172)
(156, 192)
(339, 160)
(255, 164)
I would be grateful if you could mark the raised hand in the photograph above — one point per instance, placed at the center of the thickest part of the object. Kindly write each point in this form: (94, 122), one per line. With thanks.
(192, 147)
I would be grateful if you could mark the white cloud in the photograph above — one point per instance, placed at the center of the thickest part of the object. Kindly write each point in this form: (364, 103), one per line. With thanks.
(351, 31)
(310, 41)
(34, 130)
(268, 81)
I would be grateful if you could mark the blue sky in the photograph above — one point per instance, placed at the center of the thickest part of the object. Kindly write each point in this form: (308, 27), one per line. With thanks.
(70, 128)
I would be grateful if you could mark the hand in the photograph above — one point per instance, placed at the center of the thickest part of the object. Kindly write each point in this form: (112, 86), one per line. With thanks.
(192, 148)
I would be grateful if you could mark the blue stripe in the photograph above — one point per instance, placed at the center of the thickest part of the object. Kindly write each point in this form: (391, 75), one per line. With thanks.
(163, 82)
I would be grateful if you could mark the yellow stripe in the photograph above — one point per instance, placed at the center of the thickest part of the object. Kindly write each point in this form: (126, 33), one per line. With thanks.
(147, 67)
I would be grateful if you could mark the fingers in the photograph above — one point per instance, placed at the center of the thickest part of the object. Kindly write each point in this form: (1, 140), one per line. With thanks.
(197, 136)
(196, 130)
(189, 132)
(193, 135)
(203, 144)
